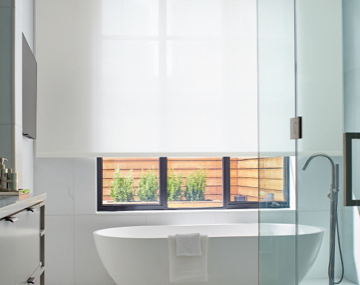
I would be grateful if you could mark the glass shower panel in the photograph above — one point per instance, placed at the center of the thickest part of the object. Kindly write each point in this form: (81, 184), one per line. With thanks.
(277, 200)
(319, 98)
(351, 51)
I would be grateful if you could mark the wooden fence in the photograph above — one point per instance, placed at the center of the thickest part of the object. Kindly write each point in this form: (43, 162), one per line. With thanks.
(137, 165)
(246, 175)
(183, 165)
(255, 181)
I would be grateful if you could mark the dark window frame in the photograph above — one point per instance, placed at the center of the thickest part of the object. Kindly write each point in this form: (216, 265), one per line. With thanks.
(227, 204)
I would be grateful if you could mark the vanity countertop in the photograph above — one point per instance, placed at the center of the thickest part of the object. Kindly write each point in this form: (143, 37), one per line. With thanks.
(13, 204)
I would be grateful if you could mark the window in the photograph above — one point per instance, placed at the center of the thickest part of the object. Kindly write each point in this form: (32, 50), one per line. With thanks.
(199, 180)
(192, 183)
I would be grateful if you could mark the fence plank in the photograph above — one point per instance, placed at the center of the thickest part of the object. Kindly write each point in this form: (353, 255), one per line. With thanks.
(209, 190)
(109, 173)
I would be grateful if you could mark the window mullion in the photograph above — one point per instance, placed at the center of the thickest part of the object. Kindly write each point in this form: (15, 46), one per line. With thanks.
(99, 166)
(163, 181)
(226, 181)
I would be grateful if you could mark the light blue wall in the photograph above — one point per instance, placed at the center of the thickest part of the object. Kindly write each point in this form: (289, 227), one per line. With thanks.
(351, 30)
(320, 103)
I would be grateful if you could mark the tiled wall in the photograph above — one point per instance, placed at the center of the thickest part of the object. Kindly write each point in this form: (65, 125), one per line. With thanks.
(71, 219)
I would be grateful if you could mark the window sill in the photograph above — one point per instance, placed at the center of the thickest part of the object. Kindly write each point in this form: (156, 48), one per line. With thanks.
(165, 212)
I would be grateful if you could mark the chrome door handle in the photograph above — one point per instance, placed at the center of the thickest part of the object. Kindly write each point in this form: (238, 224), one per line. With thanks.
(31, 209)
(31, 280)
(11, 219)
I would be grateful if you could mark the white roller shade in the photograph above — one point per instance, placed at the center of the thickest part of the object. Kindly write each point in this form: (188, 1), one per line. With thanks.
(134, 77)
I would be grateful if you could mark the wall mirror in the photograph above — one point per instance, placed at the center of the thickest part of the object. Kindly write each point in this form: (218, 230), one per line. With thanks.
(351, 169)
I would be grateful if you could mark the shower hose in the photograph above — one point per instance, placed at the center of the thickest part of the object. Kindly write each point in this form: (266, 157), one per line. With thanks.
(332, 254)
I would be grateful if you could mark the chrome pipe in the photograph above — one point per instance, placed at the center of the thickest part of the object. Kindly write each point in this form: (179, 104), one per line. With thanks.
(334, 189)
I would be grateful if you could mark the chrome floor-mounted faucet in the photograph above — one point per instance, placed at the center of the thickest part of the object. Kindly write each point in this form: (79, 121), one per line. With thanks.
(334, 225)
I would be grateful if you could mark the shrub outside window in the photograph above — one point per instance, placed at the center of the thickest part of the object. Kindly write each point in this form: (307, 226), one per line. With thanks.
(192, 183)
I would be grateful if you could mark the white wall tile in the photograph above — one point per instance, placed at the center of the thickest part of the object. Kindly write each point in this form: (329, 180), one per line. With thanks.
(277, 216)
(85, 185)
(174, 218)
(89, 269)
(59, 250)
(55, 177)
(251, 216)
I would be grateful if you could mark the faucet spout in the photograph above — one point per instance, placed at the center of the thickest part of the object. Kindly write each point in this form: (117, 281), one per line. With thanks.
(334, 182)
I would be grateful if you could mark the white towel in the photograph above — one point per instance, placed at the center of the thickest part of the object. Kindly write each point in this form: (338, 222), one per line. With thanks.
(188, 268)
(188, 245)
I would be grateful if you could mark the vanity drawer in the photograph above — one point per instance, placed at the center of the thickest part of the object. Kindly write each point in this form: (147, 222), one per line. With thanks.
(27, 243)
(7, 252)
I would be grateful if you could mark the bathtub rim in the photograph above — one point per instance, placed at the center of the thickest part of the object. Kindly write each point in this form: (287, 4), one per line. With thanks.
(313, 230)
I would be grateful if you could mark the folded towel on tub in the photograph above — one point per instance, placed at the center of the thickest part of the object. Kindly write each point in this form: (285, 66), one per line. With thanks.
(189, 266)
(188, 245)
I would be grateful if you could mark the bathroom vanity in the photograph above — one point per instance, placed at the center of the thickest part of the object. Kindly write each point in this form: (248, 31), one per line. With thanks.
(22, 236)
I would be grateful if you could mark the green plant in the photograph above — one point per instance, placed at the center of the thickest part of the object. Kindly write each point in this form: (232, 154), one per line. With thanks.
(174, 186)
(122, 189)
(195, 185)
(148, 186)
(24, 191)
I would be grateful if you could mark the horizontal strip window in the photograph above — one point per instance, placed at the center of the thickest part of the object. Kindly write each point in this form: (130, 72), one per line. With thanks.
(125, 184)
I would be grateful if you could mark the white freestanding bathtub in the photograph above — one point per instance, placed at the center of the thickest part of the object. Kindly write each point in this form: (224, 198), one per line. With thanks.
(139, 255)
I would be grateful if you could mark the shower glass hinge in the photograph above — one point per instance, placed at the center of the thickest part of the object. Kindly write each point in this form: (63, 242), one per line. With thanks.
(296, 128)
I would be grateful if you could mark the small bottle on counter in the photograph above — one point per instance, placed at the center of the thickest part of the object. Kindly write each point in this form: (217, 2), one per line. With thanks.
(3, 175)
(12, 183)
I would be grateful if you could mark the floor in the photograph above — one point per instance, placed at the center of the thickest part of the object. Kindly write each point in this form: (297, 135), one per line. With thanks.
(323, 282)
